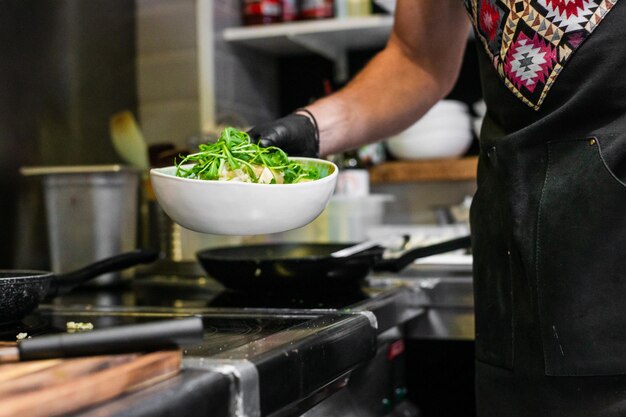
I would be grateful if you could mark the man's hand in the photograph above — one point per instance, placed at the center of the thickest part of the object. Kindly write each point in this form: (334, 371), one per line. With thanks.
(296, 134)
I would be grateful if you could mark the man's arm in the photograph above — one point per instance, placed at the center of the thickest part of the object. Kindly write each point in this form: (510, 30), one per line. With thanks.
(418, 67)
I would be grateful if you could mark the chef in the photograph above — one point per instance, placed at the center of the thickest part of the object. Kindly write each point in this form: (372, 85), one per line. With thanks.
(549, 215)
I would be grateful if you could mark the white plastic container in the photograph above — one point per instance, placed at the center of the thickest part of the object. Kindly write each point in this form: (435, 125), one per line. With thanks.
(353, 183)
(345, 219)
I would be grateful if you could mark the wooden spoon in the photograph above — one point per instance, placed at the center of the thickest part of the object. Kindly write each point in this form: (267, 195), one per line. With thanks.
(128, 140)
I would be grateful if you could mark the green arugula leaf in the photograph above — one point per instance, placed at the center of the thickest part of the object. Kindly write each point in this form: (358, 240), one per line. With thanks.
(234, 151)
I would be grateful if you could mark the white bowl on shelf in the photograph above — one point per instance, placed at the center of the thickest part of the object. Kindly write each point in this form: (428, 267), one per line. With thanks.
(444, 132)
(441, 121)
(432, 146)
(238, 208)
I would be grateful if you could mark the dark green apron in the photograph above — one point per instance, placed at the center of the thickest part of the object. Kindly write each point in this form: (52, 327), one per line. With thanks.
(549, 216)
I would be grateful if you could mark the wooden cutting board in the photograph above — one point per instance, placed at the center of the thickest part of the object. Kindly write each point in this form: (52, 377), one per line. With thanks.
(59, 386)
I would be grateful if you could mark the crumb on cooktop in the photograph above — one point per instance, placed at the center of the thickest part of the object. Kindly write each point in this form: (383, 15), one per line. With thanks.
(73, 326)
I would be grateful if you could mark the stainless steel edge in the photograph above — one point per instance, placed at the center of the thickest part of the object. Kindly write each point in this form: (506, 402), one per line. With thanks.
(245, 401)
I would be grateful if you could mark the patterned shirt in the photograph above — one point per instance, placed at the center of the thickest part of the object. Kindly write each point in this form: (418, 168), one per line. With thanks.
(530, 41)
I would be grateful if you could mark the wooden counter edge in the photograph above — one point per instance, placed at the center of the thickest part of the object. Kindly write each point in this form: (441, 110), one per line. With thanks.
(457, 169)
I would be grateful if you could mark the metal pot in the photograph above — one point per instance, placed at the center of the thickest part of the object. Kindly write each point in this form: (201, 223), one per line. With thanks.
(91, 213)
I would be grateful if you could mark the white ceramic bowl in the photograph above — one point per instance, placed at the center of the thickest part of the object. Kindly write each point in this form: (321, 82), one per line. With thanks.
(455, 121)
(444, 132)
(434, 145)
(236, 208)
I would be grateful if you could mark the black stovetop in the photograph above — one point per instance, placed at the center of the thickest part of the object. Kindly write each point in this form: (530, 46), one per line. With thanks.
(306, 349)
(303, 340)
(230, 319)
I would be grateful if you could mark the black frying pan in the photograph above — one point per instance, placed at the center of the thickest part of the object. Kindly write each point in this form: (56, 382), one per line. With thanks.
(306, 267)
(21, 291)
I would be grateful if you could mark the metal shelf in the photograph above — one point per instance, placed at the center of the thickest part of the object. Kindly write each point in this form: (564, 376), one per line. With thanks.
(330, 38)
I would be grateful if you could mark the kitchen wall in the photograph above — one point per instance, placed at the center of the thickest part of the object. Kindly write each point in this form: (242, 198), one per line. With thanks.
(170, 40)
(65, 67)
(167, 70)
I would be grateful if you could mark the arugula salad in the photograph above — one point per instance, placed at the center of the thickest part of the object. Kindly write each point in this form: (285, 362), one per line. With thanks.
(233, 157)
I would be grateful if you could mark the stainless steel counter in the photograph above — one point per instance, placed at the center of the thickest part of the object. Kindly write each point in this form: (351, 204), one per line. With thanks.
(444, 292)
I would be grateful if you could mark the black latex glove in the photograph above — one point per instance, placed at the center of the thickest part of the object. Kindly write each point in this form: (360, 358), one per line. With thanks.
(296, 134)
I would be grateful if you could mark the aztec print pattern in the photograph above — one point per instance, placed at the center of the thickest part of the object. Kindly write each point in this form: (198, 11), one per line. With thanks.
(529, 41)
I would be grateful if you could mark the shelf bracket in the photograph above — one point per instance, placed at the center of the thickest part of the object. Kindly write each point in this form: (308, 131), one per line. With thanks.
(339, 56)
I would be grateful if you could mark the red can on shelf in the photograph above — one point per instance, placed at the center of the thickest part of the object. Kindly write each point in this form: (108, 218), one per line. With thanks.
(260, 12)
(316, 9)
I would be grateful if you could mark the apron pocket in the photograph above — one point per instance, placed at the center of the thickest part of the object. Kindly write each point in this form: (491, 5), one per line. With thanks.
(581, 262)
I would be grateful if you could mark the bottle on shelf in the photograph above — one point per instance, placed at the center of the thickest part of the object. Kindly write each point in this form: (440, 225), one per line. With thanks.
(352, 8)
(262, 12)
(359, 7)
(290, 10)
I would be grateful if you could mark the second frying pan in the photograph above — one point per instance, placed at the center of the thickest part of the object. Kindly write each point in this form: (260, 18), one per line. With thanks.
(306, 267)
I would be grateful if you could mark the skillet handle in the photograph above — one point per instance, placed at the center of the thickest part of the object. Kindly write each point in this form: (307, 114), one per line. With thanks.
(401, 262)
(63, 283)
